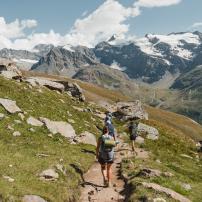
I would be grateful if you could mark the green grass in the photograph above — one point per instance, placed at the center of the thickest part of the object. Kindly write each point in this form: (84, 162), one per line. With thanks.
(21, 152)
(168, 149)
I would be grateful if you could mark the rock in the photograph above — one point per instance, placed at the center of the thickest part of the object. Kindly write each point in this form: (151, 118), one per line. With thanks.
(167, 191)
(147, 172)
(32, 130)
(36, 81)
(187, 187)
(130, 110)
(159, 200)
(168, 174)
(186, 156)
(71, 121)
(10, 128)
(34, 122)
(49, 175)
(32, 198)
(78, 108)
(64, 128)
(61, 168)
(151, 132)
(9, 179)
(9, 70)
(139, 140)
(18, 121)
(86, 138)
(16, 134)
(10, 105)
(2, 116)
(22, 116)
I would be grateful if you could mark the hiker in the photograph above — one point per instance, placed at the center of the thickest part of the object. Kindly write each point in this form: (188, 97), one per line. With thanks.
(109, 125)
(105, 155)
(133, 126)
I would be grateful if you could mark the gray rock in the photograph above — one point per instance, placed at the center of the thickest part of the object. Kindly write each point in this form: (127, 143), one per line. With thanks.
(9, 179)
(22, 116)
(159, 200)
(32, 198)
(16, 134)
(10, 105)
(34, 122)
(139, 140)
(18, 121)
(130, 110)
(64, 128)
(87, 138)
(148, 172)
(151, 132)
(167, 191)
(187, 187)
(2, 116)
(49, 175)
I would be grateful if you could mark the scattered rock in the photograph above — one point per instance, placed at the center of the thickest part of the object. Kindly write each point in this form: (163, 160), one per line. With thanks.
(18, 121)
(9, 179)
(36, 81)
(151, 132)
(64, 128)
(32, 198)
(187, 187)
(32, 130)
(71, 121)
(167, 191)
(49, 175)
(16, 134)
(159, 200)
(61, 168)
(86, 138)
(139, 140)
(2, 116)
(130, 110)
(78, 108)
(22, 116)
(168, 174)
(147, 172)
(186, 156)
(10, 105)
(34, 122)
(10, 128)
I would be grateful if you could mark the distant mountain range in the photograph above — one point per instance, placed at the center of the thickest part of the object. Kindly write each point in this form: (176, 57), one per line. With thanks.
(163, 61)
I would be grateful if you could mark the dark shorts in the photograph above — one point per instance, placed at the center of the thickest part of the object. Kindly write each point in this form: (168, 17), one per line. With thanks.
(103, 161)
(133, 137)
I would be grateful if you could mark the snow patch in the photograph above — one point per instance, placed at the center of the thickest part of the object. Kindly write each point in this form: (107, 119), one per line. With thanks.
(117, 66)
(69, 48)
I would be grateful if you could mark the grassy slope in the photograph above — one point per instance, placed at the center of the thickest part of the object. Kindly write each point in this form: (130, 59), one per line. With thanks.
(21, 152)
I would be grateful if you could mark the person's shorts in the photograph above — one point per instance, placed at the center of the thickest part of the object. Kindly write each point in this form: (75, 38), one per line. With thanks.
(103, 161)
(133, 137)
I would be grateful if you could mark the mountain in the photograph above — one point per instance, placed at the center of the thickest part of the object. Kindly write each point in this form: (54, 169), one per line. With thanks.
(65, 60)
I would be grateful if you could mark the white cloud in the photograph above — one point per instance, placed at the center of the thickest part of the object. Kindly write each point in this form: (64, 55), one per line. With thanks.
(196, 25)
(156, 3)
(29, 23)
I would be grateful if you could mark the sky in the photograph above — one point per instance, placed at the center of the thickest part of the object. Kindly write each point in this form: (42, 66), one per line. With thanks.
(26, 23)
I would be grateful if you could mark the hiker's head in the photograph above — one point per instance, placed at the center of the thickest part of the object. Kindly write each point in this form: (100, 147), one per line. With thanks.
(105, 130)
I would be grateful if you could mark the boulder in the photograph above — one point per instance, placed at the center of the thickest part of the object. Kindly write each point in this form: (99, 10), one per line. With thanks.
(151, 132)
(86, 138)
(34, 122)
(49, 175)
(139, 140)
(167, 191)
(32, 198)
(64, 128)
(2, 116)
(52, 85)
(10, 105)
(16, 134)
(130, 110)
(9, 70)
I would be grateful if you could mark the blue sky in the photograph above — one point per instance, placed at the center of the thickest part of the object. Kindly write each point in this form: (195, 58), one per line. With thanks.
(149, 16)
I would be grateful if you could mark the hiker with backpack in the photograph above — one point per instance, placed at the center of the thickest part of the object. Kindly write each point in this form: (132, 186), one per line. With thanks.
(109, 125)
(133, 132)
(105, 155)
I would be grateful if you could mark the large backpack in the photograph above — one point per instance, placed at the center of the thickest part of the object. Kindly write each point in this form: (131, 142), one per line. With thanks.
(107, 148)
(111, 129)
(133, 129)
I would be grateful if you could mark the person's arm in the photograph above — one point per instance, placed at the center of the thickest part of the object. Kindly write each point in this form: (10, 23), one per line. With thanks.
(98, 147)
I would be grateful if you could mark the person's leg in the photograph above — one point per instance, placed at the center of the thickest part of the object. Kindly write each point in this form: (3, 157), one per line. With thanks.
(104, 173)
(133, 145)
(109, 173)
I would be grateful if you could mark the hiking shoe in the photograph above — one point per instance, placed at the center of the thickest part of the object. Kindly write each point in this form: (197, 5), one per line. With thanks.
(105, 183)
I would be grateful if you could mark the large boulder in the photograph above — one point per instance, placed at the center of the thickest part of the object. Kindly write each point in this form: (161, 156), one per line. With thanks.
(32, 198)
(86, 138)
(49, 175)
(34, 122)
(74, 89)
(151, 132)
(9, 70)
(64, 128)
(52, 85)
(130, 110)
(10, 105)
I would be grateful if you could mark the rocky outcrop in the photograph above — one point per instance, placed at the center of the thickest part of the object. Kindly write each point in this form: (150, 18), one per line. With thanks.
(167, 191)
(151, 132)
(49, 175)
(130, 110)
(61, 127)
(32, 198)
(10, 105)
(34, 122)
(9, 70)
(86, 138)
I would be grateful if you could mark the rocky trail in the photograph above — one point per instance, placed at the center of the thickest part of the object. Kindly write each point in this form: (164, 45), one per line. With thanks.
(92, 186)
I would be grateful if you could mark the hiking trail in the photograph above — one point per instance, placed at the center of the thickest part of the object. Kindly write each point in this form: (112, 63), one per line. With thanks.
(93, 189)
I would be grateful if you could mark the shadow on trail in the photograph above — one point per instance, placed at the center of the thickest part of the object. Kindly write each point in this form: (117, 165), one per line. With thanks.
(88, 151)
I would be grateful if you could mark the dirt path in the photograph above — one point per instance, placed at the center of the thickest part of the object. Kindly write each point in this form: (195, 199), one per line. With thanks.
(93, 190)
